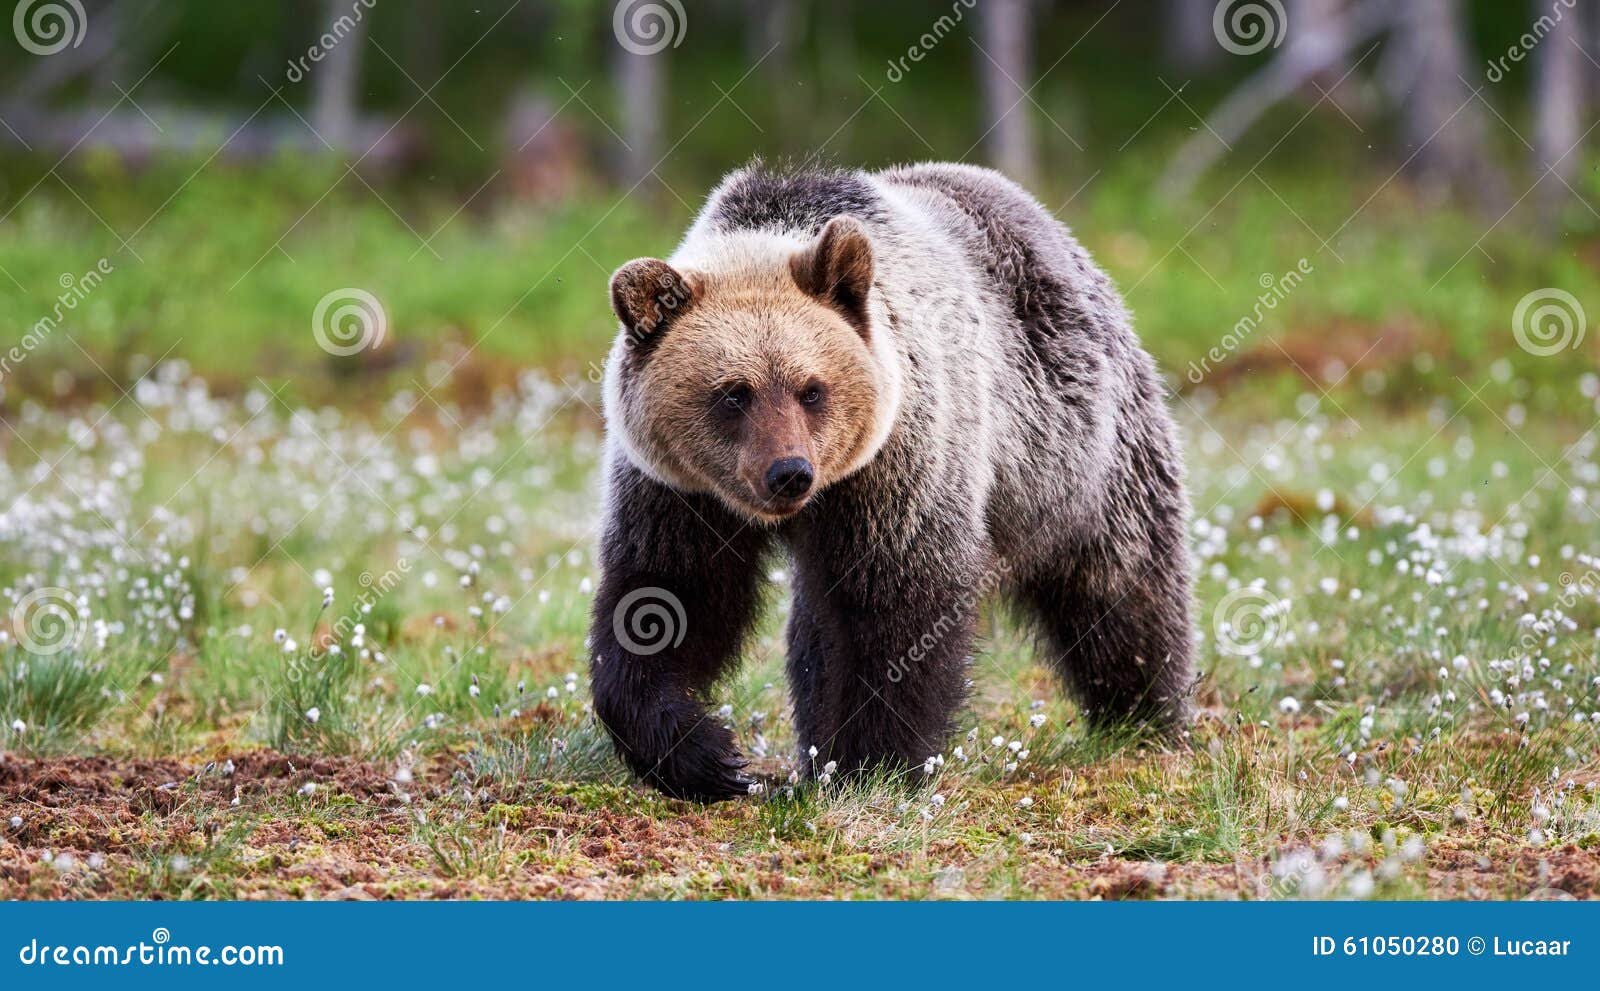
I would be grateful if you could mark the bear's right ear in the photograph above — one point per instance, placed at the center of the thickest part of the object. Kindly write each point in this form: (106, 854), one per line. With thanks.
(648, 295)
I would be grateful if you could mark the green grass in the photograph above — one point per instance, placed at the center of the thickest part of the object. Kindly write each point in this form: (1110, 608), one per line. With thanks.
(1401, 721)
(227, 276)
(1400, 541)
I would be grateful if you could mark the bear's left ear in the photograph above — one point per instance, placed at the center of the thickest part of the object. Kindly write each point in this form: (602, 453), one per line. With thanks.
(837, 269)
(648, 295)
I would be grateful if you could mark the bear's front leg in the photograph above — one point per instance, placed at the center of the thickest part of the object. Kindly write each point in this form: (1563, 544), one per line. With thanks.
(879, 640)
(679, 589)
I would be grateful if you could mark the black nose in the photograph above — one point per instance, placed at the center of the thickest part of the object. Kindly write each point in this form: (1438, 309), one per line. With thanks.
(789, 478)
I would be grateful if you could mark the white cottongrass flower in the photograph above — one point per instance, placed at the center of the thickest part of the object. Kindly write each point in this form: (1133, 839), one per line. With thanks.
(18, 727)
(313, 714)
(309, 788)
(1359, 885)
(1288, 705)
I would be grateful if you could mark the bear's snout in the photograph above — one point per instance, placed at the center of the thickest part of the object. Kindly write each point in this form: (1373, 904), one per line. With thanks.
(789, 478)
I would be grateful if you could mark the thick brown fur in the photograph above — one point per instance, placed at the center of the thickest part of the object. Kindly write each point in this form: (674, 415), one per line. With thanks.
(919, 387)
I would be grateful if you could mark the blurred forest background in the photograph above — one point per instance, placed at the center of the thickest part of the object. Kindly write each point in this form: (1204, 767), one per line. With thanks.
(479, 170)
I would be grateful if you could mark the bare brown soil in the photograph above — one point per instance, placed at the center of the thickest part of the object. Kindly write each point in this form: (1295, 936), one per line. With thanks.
(118, 823)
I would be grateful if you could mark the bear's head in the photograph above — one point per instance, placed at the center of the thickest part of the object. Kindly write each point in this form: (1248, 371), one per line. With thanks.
(757, 376)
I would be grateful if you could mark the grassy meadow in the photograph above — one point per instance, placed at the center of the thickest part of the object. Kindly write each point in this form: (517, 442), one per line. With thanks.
(322, 635)
(280, 623)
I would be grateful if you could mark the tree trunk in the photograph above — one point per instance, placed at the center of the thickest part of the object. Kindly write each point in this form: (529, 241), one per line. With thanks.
(772, 32)
(1442, 126)
(1190, 42)
(771, 27)
(1005, 27)
(1558, 103)
(334, 106)
(1325, 20)
(1317, 42)
(640, 82)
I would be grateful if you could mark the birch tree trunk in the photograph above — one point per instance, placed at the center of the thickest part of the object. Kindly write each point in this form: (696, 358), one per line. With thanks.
(334, 83)
(1558, 105)
(1005, 28)
(1190, 42)
(640, 80)
(1442, 123)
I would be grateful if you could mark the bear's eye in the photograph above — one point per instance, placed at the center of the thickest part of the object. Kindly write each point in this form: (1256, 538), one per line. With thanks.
(735, 399)
(811, 395)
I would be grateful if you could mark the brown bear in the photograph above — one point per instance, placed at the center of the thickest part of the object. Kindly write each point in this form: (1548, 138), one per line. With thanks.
(917, 385)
